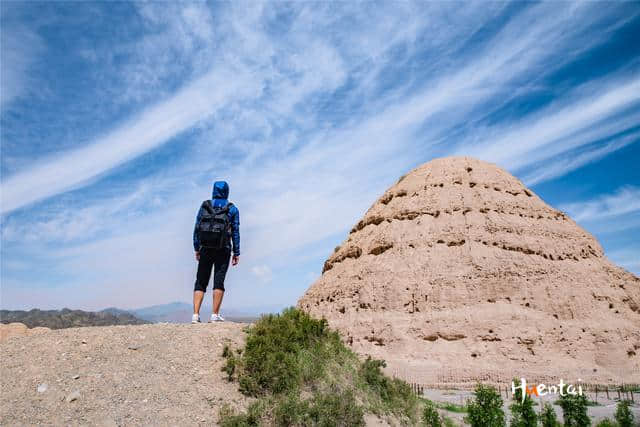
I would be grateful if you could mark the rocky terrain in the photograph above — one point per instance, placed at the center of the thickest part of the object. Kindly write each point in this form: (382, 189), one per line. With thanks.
(66, 318)
(459, 273)
(162, 374)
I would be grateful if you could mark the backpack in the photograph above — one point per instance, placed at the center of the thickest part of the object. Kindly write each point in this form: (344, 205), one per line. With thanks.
(214, 228)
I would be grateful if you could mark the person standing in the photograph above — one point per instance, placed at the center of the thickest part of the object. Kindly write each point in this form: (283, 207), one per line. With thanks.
(215, 235)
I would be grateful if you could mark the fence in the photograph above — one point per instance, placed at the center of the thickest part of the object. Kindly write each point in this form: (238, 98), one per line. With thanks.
(610, 392)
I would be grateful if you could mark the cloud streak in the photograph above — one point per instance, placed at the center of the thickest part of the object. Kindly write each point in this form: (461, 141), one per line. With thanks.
(624, 201)
(148, 130)
(310, 111)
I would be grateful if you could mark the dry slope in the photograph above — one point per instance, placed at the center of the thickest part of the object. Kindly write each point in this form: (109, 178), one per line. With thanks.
(161, 374)
(460, 273)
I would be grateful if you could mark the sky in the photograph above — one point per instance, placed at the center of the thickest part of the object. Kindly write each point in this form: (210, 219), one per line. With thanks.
(117, 117)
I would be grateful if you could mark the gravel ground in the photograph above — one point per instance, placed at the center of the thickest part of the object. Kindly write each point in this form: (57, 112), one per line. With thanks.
(161, 374)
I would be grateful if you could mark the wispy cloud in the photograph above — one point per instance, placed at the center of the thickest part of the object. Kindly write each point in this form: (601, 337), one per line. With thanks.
(148, 130)
(19, 49)
(624, 201)
(310, 111)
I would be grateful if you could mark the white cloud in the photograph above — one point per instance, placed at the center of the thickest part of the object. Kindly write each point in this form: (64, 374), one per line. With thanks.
(148, 130)
(262, 272)
(19, 50)
(301, 176)
(624, 201)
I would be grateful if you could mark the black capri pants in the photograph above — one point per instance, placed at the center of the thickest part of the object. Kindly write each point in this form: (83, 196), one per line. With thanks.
(218, 259)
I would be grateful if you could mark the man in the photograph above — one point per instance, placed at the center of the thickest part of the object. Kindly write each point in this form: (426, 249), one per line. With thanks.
(217, 226)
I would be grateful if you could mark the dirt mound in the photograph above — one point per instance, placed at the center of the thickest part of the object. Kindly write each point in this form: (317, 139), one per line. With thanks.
(18, 329)
(460, 273)
(162, 374)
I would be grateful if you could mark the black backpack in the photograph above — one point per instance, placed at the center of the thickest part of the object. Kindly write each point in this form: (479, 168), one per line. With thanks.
(214, 228)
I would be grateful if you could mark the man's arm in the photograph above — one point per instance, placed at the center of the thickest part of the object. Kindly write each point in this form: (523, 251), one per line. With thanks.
(196, 240)
(235, 234)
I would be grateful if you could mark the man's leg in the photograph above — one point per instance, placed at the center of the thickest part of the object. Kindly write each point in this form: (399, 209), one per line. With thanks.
(202, 279)
(198, 296)
(218, 294)
(221, 267)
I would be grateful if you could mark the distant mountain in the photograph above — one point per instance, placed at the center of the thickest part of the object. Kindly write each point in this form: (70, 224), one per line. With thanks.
(66, 318)
(180, 312)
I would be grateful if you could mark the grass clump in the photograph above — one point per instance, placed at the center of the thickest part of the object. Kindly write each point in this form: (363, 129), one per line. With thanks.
(302, 374)
(452, 407)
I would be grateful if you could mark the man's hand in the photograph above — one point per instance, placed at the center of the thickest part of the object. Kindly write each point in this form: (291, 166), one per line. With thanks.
(235, 260)
(197, 255)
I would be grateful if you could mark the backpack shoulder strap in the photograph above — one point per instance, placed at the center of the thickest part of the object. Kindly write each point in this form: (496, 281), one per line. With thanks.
(207, 206)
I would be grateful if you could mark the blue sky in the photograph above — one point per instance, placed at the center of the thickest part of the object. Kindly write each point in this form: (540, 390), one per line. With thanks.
(117, 117)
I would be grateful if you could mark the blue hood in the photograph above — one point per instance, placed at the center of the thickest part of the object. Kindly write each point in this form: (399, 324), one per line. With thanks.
(220, 190)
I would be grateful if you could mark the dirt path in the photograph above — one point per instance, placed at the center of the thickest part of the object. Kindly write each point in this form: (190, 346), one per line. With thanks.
(162, 374)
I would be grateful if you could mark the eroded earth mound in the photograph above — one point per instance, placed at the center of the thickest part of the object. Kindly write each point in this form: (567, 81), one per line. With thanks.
(460, 273)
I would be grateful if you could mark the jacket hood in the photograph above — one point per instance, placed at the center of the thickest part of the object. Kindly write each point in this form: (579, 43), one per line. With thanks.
(220, 190)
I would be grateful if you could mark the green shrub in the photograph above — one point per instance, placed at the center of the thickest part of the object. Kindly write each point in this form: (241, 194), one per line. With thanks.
(284, 350)
(290, 355)
(230, 367)
(226, 351)
(574, 410)
(522, 412)
(251, 418)
(548, 416)
(291, 411)
(486, 408)
(395, 395)
(430, 416)
(336, 409)
(623, 415)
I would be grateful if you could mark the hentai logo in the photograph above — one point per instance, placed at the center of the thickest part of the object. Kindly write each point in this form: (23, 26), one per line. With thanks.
(542, 389)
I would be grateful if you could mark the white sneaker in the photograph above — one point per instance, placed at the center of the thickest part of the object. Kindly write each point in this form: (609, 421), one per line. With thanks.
(195, 318)
(216, 318)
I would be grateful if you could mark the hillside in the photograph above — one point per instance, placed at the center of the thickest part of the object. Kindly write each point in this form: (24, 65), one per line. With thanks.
(66, 318)
(120, 375)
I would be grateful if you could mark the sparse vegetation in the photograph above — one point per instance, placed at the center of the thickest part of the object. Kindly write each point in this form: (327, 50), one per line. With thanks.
(302, 374)
(486, 408)
(548, 416)
(451, 407)
(574, 410)
(607, 423)
(430, 416)
(623, 415)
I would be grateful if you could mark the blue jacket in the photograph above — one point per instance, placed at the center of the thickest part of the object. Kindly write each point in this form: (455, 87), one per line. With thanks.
(219, 198)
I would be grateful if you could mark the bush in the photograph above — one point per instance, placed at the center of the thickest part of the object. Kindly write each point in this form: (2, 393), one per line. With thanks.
(290, 355)
(574, 410)
(395, 395)
(623, 415)
(430, 416)
(522, 412)
(548, 416)
(486, 409)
